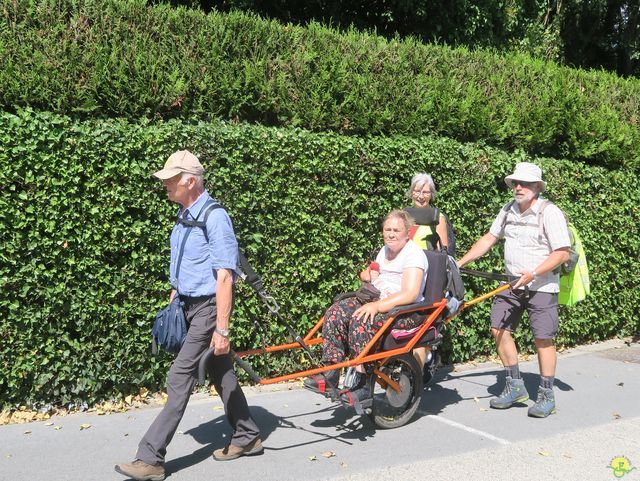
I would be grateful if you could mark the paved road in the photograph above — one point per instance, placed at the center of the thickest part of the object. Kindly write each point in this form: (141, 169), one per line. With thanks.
(453, 436)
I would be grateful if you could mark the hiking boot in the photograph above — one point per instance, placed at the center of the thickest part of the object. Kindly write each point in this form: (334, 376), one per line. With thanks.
(234, 452)
(323, 382)
(545, 404)
(141, 471)
(514, 392)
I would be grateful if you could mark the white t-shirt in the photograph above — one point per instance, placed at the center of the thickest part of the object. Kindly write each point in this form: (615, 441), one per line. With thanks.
(390, 279)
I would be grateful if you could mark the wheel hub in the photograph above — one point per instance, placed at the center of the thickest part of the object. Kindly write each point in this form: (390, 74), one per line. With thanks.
(399, 399)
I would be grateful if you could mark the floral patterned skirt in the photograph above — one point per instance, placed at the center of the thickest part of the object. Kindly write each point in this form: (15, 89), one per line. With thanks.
(345, 336)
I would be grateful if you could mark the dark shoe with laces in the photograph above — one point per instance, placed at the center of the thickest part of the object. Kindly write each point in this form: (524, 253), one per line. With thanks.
(232, 451)
(323, 382)
(360, 396)
(141, 471)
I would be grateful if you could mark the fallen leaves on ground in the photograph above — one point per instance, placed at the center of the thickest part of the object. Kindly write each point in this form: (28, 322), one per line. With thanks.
(23, 414)
(328, 454)
(84, 426)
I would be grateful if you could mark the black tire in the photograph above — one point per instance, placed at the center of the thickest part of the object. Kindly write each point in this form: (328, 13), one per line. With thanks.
(391, 409)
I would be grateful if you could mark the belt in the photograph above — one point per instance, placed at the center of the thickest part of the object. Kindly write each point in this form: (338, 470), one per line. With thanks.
(193, 300)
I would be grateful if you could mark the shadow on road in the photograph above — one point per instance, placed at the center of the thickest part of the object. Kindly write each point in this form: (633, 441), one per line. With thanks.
(344, 421)
(531, 380)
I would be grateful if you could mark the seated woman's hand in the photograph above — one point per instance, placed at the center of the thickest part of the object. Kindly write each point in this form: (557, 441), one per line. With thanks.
(367, 312)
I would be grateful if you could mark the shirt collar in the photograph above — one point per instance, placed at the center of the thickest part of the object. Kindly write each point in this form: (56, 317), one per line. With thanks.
(194, 209)
(535, 208)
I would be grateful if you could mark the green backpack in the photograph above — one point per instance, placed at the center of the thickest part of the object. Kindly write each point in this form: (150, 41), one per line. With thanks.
(574, 285)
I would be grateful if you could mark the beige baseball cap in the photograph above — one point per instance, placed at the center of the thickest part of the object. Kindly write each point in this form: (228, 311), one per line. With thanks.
(178, 162)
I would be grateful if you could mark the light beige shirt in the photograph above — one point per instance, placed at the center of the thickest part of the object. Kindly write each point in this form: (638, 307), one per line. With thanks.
(527, 246)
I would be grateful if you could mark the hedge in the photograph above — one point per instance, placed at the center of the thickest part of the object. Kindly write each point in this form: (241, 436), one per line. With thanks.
(84, 238)
(106, 58)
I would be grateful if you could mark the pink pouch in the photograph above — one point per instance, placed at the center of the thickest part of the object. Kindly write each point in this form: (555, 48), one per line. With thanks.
(401, 334)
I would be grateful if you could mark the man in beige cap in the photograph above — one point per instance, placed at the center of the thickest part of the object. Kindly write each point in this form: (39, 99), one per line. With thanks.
(535, 247)
(203, 278)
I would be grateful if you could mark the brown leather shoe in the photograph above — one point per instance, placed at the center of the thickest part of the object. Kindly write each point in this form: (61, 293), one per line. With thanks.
(141, 471)
(234, 452)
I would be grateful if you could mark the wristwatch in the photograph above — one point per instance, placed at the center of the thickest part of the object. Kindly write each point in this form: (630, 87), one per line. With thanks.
(534, 274)
(223, 332)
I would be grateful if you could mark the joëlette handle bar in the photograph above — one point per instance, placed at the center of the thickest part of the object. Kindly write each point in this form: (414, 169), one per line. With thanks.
(202, 366)
(510, 281)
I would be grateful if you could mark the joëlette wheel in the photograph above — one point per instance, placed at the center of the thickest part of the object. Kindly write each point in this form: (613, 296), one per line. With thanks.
(392, 409)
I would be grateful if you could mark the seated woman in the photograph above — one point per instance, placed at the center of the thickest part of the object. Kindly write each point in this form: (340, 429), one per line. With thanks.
(350, 324)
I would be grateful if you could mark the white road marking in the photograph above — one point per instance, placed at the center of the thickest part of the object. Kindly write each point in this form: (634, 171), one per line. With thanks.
(469, 429)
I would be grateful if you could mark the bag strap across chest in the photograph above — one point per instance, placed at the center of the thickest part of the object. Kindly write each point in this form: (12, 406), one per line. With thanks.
(208, 207)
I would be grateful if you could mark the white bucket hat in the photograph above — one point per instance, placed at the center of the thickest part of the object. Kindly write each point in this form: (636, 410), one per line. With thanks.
(526, 172)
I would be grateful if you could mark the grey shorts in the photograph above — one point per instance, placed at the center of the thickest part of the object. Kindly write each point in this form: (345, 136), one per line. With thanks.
(542, 307)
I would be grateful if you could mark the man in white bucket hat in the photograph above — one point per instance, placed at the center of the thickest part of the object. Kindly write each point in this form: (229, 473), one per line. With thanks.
(532, 253)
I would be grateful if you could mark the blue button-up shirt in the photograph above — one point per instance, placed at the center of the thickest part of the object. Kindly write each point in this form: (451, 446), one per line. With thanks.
(200, 260)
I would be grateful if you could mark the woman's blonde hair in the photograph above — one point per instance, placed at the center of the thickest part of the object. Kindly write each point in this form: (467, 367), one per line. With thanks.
(403, 215)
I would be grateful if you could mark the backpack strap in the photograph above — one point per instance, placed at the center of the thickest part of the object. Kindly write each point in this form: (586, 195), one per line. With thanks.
(543, 205)
(208, 207)
(506, 210)
(211, 205)
(540, 217)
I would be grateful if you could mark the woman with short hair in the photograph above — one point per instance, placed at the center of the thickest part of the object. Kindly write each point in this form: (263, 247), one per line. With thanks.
(422, 193)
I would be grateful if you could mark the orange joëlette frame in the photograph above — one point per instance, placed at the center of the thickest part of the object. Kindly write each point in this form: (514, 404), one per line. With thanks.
(364, 357)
